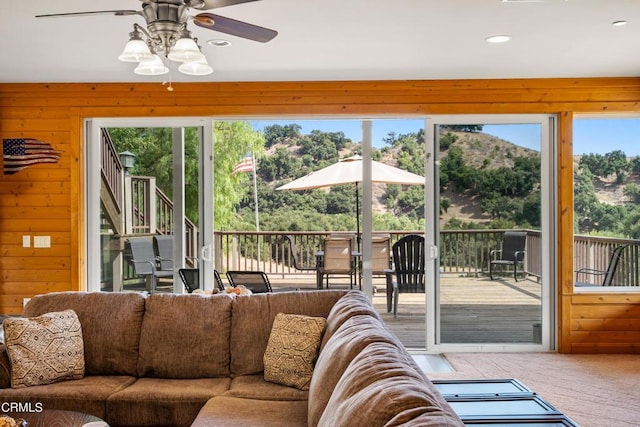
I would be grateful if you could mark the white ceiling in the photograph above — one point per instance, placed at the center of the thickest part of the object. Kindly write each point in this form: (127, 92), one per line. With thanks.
(339, 40)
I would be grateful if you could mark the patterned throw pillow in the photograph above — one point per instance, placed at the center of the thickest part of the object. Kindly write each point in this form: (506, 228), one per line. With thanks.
(292, 349)
(44, 349)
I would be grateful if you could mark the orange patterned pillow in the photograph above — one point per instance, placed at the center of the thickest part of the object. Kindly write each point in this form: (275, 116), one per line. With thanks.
(45, 349)
(292, 349)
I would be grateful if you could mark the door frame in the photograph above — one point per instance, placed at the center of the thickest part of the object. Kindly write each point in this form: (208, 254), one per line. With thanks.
(548, 178)
(93, 183)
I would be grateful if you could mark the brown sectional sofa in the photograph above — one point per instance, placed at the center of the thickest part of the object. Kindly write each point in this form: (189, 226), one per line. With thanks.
(197, 360)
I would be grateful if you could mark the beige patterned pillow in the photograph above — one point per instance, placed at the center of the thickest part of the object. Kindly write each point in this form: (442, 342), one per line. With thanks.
(44, 349)
(292, 349)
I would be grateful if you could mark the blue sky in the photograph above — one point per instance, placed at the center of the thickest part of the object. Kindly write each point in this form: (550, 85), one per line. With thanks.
(598, 136)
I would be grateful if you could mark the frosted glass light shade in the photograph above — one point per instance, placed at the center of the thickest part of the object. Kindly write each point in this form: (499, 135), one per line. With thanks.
(135, 51)
(195, 68)
(185, 50)
(151, 67)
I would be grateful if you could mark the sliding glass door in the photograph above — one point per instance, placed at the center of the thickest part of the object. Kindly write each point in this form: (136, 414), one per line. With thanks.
(489, 199)
(168, 194)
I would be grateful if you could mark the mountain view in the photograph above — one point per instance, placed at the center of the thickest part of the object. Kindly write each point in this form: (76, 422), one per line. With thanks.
(485, 181)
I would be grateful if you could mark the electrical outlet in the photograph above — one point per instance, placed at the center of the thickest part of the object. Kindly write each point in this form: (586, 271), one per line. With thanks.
(41, 241)
(26, 241)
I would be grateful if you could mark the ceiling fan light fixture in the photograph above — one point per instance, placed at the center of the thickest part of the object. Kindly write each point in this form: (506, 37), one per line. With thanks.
(185, 50)
(136, 49)
(151, 67)
(195, 68)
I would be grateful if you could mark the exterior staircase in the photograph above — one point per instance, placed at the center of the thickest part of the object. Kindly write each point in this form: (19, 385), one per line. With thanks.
(132, 206)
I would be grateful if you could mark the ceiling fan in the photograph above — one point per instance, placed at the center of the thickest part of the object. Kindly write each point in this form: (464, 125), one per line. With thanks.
(166, 32)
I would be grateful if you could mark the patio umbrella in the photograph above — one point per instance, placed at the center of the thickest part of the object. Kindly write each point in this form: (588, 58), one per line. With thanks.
(349, 171)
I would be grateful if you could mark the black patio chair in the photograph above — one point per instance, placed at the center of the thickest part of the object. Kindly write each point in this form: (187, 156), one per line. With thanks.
(408, 269)
(190, 278)
(256, 281)
(607, 274)
(294, 256)
(512, 253)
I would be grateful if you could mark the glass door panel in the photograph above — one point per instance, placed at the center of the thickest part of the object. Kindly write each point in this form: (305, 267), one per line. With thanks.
(489, 220)
(148, 187)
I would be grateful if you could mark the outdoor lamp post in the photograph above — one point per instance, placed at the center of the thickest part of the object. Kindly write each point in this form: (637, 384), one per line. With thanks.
(127, 158)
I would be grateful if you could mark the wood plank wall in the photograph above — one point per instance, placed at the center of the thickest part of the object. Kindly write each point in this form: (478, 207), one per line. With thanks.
(47, 199)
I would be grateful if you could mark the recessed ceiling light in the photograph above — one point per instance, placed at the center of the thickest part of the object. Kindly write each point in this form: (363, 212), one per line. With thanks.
(219, 43)
(619, 23)
(498, 39)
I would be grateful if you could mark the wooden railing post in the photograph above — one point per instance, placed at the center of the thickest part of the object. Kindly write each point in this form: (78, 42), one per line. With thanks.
(128, 208)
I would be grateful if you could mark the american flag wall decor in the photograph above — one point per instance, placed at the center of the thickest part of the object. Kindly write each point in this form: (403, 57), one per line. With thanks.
(20, 153)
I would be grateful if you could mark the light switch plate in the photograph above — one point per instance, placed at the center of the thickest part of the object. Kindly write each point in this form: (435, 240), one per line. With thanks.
(26, 241)
(41, 241)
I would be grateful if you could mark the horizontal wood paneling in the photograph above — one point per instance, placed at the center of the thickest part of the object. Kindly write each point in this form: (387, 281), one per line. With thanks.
(603, 323)
(48, 199)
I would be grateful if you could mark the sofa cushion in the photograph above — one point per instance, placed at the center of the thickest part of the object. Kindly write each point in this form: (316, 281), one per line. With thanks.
(353, 303)
(185, 336)
(226, 411)
(159, 402)
(110, 326)
(44, 349)
(349, 340)
(255, 387)
(292, 349)
(88, 394)
(5, 367)
(253, 316)
(381, 387)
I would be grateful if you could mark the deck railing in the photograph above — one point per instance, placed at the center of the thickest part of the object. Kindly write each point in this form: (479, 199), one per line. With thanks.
(462, 252)
(152, 213)
(111, 168)
(595, 253)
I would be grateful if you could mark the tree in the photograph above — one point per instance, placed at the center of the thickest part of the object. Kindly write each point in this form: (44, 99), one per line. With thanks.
(447, 140)
(464, 128)
(632, 191)
(617, 164)
(584, 199)
(232, 141)
(154, 157)
(277, 133)
(596, 163)
(279, 165)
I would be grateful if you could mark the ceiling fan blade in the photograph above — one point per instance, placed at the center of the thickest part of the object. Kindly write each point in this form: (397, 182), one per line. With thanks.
(234, 27)
(98, 12)
(214, 4)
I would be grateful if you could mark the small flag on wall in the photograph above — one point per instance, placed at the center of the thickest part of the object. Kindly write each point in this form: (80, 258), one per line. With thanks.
(244, 165)
(20, 153)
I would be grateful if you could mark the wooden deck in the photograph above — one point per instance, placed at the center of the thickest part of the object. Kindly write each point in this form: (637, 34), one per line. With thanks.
(473, 310)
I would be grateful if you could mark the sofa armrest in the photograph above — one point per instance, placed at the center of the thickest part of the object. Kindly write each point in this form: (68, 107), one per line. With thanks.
(5, 368)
